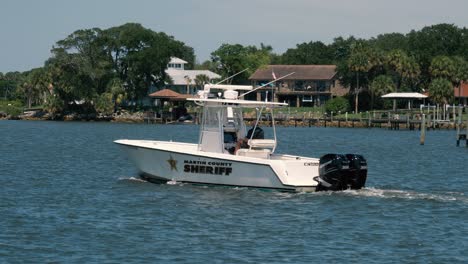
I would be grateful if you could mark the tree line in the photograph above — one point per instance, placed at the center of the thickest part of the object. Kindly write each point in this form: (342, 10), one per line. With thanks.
(96, 70)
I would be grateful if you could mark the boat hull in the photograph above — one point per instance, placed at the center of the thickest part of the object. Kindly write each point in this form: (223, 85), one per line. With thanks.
(162, 161)
(184, 162)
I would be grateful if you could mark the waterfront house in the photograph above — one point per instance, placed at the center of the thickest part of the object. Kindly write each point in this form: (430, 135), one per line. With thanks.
(310, 85)
(184, 81)
(461, 93)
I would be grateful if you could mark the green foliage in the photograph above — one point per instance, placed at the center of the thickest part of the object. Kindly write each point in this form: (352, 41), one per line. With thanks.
(460, 72)
(381, 85)
(206, 65)
(79, 67)
(139, 56)
(232, 59)
(436, 40)
(11, 108)
(360, 65)
(405, 57)
(116, 88)
(361, 59)
(8, 85)
(117, 63)
(337, 104)
(123, 62)
(390, 41)
(34, 86)
(201, 80)
(54, 105)
(454, 69)
(105, 104)
(441, 91)
(401, 67)
(308, 53)
(442, 67)
(341, 48)
(14, 103)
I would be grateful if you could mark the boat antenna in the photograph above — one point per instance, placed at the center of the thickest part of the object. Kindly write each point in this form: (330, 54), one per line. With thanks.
(232, 76)
(275, 80)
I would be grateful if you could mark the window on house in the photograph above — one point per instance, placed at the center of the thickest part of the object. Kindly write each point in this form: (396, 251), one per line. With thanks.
(321, 86)
(307, 99)
(299, 85)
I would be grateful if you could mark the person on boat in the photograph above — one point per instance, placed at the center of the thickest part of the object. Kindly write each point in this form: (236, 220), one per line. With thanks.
(253, 133)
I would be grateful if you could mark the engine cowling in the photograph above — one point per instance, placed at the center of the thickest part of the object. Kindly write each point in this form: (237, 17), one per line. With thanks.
(341, 172)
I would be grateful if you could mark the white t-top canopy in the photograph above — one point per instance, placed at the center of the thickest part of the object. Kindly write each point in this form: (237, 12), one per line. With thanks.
(404, 96)
(228, 87)
(247, 103)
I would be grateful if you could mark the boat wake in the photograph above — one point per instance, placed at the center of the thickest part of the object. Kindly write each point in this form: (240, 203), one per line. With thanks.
(364, 192)
(407, 194)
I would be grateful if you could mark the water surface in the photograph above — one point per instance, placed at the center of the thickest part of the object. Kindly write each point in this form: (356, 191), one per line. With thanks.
(69, 195)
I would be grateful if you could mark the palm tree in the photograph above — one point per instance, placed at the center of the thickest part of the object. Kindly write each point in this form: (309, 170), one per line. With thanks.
(411, 71)
(460, 74)
(452, 70)
(359, 62)
(381, 85)
(442, 67)
(188, 81)
(441, 91)
(395, 60)
(402, 65)
(34, 85)
(116, 88)
(201, 80)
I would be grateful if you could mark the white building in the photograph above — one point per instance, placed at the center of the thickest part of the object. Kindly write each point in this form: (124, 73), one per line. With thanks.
(183, 81)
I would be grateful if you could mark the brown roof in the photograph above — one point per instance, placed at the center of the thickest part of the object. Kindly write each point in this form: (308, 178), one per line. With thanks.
(463, 90)
(164, 93)
(301, 72)
(171, 95)
(182, 97)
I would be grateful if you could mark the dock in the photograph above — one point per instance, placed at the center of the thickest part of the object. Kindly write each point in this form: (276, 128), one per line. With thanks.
(412, 120)
(388, 123)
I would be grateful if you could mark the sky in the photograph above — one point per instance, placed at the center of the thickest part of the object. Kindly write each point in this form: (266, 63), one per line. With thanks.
(29, 28)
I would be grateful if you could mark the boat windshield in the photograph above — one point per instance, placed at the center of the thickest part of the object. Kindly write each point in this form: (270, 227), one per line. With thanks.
(220, 128)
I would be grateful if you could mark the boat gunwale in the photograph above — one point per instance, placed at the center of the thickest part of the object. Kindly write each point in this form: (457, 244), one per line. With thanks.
(266, 162)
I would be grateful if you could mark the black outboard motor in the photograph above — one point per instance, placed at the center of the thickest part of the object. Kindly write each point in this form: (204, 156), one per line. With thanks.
(357, 171)
(341, 172)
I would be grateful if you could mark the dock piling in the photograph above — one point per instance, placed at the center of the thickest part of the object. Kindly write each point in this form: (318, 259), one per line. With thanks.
(460, 135)
(423, 130)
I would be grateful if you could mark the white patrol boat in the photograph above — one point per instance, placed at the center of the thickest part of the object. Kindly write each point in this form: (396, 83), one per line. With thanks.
(227, 155)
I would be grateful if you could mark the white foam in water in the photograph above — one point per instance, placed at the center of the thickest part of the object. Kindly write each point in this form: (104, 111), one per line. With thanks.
(132, 179)
(172, 182)
(401, 194)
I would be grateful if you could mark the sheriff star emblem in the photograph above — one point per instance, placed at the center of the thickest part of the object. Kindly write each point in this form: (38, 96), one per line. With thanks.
(173, 163)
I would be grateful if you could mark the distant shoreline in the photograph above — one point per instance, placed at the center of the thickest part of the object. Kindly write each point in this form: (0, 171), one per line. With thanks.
(137, 118)
(44, 116)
